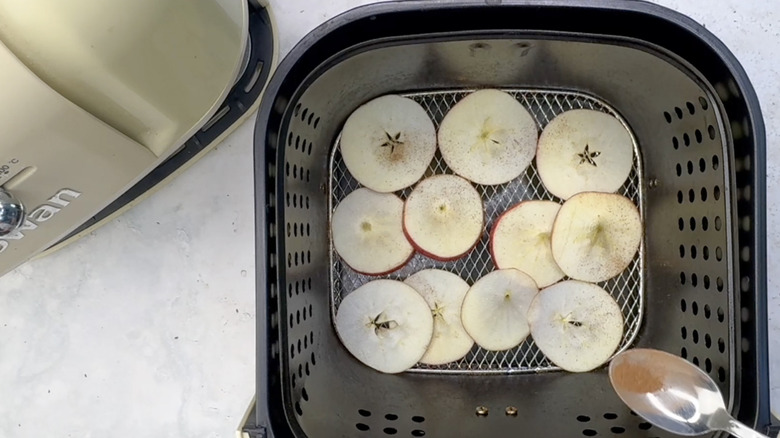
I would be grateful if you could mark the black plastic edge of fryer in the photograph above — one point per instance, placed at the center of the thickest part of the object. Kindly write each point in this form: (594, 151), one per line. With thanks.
(668, 29)
(238, 101)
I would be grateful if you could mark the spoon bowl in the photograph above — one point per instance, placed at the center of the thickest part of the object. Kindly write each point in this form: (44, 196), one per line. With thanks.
(673, 394)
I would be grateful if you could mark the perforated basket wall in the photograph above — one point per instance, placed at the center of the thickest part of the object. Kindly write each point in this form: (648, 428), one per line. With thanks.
(700, 144)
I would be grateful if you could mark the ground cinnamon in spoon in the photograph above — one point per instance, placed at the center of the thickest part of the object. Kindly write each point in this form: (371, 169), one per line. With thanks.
(636, 378)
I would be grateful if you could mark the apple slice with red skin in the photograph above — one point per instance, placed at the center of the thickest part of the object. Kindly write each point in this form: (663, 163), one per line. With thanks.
(520, 239)
(367, 232)
(443, 217)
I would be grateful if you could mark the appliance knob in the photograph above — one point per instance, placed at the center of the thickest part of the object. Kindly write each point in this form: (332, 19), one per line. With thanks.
(11, 213)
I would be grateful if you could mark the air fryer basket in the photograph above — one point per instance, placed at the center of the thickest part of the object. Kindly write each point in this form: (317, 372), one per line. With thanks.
(700, 141)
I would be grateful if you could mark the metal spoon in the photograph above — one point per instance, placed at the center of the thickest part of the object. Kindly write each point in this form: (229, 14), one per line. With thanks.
(673, 394)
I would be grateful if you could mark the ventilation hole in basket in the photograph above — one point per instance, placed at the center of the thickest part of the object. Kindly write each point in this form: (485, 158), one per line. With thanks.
(675, 143)
(705, 252)
(289, 290)
(682, 251)
(418, 432)
(703, 103)
(706, 281)
(292, 321)
(297, 110)
(362, 427)
(716, 193)
(707, 339)
(617, 429)
(298, 409)
(687, 142)
(703, 194)
(311, 314)
(721, 374)
(668, 117)
(300, 371)
(297, 142)
(708, 365)
(303, 114)
(679, 112)
(311, 116)
(316, 122)
(694, 283)
(306, 369)
(719, 284)
(682, 281)
(721, 317)
(693, 252)
(679, 169)
(693, 223)
(695, 308)
(299, 344)
(313, 360)
(699, 137)
(679, 197)
(583, 418)
(715, 162)
(684, 332)
(289, 139)
(364, 413)
(721, 345)
(745, 345)
(292, 352)
(711, 132)
(695, 336)
(287, 169)
(695, 360)
(644, 426)
(303, 149)
(683, 305)
(690, 166)
(305, 339)
(691, 195)
(610, 416)
(691, 108)
(680, 223)
(391, 417)
(684, 353)
(744, 254)
(309, 280)
(718, 252)
(390, 430)
(418, 419)
(702, 165)
(589, 432)
(745, 314)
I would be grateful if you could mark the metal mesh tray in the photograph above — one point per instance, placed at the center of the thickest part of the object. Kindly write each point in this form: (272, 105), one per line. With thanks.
(544, 105)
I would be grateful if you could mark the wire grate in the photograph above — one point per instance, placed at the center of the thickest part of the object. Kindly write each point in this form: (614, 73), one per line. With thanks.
(627, 288)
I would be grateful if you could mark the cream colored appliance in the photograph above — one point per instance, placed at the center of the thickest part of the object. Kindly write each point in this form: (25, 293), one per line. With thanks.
(102, 101)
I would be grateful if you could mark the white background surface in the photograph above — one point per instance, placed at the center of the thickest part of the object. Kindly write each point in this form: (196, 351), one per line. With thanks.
(145, 328)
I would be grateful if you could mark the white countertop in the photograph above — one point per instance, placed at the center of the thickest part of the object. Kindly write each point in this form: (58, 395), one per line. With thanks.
(145, 328)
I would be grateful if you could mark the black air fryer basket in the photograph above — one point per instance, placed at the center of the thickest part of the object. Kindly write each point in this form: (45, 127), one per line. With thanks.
(697, 288)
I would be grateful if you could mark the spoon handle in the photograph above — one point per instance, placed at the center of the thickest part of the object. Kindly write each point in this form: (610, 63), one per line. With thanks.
(739, 430)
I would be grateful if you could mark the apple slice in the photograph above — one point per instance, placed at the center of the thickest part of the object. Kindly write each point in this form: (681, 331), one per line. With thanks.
(577, 325)
(367, 232)
(521, 239)
(488, 137)
(443, 217)
(444, 293)
(584, 151)
(388, 143)
(596, 235)
(495, 307)
(386, 325)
